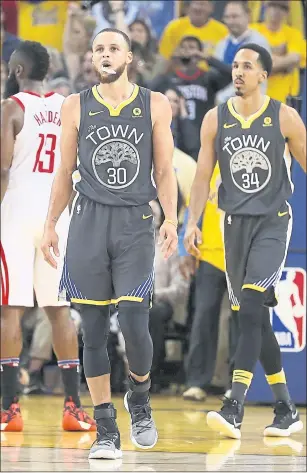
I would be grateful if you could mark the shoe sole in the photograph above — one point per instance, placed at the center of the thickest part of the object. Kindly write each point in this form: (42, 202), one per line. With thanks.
(143, 447)
(217, 423)
(102, 454)
(275, 432)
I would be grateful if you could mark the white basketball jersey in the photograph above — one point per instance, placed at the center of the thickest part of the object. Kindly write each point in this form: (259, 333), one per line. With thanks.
(36, 155)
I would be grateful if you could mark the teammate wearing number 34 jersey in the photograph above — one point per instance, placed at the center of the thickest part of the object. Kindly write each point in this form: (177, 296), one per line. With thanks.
(30, 133)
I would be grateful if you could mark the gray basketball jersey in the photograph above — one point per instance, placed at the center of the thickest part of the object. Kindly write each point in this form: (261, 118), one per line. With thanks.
(115, 151)
(255, 169)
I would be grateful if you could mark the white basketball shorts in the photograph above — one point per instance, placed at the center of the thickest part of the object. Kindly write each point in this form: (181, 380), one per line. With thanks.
(24, 272)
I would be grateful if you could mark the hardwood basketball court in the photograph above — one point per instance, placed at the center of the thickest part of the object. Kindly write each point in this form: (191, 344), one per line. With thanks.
(185, 442)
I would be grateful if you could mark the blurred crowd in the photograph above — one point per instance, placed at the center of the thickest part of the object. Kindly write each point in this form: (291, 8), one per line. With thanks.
(183, 49)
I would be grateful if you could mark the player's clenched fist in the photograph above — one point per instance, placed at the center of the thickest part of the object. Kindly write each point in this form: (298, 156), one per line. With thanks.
(50, 240)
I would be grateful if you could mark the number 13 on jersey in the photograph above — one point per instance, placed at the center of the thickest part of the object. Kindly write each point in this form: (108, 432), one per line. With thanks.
(45, 155)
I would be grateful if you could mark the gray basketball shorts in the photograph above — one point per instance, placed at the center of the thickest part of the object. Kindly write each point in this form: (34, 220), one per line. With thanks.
(109, 255)
(255, 253)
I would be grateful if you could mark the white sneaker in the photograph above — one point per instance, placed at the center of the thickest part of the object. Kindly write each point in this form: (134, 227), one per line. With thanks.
(194, 394)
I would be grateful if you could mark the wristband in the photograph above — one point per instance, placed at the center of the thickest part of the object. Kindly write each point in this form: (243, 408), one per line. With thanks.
(172, 222)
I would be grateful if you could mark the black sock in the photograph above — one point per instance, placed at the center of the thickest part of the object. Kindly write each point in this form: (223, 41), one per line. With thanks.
(71, 381)
(9, 383)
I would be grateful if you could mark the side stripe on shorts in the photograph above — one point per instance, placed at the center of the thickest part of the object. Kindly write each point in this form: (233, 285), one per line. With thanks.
(5, 281)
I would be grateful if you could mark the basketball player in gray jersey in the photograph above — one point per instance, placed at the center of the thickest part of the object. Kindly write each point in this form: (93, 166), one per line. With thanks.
(121, 133)
(253, 138)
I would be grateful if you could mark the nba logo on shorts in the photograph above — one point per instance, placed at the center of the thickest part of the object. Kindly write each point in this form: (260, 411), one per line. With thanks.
(289, 316)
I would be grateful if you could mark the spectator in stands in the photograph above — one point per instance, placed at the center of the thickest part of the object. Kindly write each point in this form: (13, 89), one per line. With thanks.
(198, 23)
(295, 16)
(10, 9)
(9, 42)
(198, 87)
(114, 14)
(287, 46)
(210, 287)
(169, 299)
(236, 16)
(184, 130)
(61, 85)
(154, 64)
(78, 33)
(136, 69)
(56, 63)
(43, 21)
(87, 76)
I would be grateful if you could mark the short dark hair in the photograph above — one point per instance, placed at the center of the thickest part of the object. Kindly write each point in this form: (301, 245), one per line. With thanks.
(38, 57)
(242, 3)
(264, 58)
(115, 30)
(193, 38)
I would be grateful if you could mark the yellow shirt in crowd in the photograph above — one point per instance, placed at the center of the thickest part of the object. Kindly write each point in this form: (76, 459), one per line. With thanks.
(291, 41)
(210, 34)
(295, 15)
(43, 22)
(212, 246)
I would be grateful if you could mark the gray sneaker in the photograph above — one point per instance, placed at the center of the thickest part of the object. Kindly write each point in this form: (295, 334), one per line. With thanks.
(143, 431)
(107, 443)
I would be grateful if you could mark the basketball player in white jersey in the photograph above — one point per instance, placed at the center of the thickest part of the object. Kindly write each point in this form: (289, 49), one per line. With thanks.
(30, 155)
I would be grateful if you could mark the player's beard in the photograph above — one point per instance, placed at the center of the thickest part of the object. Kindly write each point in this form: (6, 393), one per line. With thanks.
(11, 86)
(109, 78)
(239, 93)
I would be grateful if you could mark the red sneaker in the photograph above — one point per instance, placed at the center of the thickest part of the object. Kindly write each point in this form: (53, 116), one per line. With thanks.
(11, 420)
(76, 419)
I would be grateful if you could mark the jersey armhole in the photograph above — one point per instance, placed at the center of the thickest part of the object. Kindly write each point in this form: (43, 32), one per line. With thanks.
(82, 111)
(148, 108)
(19, 102)
(217, 137)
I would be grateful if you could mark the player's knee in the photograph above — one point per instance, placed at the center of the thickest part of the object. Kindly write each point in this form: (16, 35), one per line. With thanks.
(133, 319)
(95, 327)
(251, 310)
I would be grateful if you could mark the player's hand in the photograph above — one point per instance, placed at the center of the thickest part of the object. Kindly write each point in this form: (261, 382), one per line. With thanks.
(192, 238)
(168, 238)
(50, 240)
(187, 266)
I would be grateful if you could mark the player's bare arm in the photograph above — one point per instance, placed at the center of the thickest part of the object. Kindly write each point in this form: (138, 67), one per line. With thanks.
(201, 184)
(164, 174)
(12, 118)
(62, 185)
(293, 128)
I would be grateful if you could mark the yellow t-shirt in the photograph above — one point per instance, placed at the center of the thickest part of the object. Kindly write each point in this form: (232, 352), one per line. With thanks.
(212, 246)
(295, 15)
(43, 22)
(210, 34)
(291, 41)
